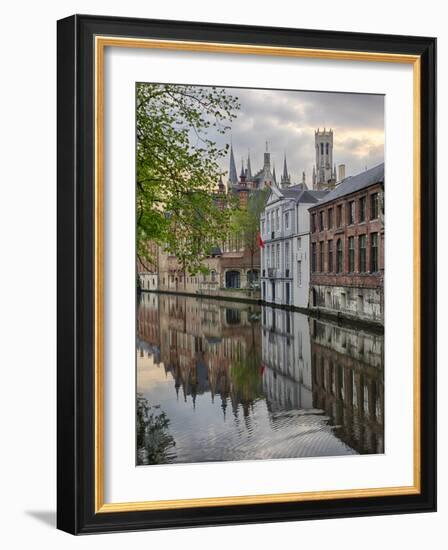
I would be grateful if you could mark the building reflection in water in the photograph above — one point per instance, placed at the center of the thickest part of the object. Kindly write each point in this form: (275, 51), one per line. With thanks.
(237, 381)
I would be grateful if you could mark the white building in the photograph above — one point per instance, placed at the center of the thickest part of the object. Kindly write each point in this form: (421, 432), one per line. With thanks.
(285, 229)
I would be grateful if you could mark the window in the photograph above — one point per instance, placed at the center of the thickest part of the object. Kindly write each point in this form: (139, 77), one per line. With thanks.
(299, 273)
(321, 259)
(252, 276)
(233, 317)
(321, 220)
(299, 243)
(362, 209)
(313, 223)
(373, 252)
(351, 213)
(362, 253)
(287, 258)
(277, 263)
(213, 276)
(330, 256)
(339, 215)
(339, 256)
(287, 220)
(277, 220)
(321, 148)
(326, 147)
(287, 300)
(360, 303)
(351, 254)
(374, 206)
(272, 256)
(262, 227)
(330, 218)
(232, 279)
(313, 257)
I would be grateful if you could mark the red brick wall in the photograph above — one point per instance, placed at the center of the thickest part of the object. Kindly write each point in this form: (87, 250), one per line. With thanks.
(326, 276)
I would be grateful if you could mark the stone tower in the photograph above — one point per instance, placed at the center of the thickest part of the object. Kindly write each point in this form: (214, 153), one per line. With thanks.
(324, 176)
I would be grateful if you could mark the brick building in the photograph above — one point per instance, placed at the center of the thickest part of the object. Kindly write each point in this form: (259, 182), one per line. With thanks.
(347, 248)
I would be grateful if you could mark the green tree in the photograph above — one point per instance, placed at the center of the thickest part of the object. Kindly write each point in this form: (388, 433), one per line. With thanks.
(246, 222)
(177, 169)
(155, 445)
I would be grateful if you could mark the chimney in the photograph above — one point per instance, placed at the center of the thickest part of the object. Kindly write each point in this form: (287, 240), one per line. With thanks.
(341, 172)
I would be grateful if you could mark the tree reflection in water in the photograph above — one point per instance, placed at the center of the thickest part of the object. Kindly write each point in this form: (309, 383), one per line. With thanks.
(154, 443)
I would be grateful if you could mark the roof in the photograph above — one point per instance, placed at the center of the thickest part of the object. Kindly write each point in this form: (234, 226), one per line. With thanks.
(356, 183)
(300, 195)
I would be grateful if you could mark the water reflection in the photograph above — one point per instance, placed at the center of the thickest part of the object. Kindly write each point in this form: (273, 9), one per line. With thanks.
(239, 381)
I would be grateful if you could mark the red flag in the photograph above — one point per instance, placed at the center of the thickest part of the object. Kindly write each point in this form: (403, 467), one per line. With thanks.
(260, 241)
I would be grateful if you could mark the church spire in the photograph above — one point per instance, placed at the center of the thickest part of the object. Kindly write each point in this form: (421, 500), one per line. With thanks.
(285, 169)
(243, 173)
(233, 178)
(249, 169)
(286, 178)
(274, 177)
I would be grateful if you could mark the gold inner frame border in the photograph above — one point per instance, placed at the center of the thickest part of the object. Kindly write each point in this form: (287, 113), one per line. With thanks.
(101, 42)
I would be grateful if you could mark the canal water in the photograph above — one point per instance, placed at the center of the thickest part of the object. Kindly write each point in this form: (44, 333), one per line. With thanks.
(219, 381)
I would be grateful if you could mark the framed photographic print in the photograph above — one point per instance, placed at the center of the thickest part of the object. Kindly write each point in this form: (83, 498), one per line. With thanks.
(246, 274)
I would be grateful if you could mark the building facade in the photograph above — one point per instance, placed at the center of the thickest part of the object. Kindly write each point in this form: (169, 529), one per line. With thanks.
(147, 269)
(347, 248)
(284, 229)
(231, 273)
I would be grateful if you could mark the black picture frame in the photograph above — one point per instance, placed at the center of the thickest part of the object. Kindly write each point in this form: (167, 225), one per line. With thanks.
(76, 272)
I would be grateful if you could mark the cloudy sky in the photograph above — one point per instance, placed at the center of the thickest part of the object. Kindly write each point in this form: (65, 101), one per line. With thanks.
(287, 120)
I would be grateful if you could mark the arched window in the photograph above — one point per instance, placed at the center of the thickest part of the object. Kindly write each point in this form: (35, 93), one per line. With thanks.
(339, 258)
(233, 279)
(213, 276)
(326, 147)
(321, 148)
(252, 276)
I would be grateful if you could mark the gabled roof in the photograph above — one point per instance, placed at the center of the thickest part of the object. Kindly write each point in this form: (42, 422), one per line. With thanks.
(303, 195)
(356, 183)
(298, 194)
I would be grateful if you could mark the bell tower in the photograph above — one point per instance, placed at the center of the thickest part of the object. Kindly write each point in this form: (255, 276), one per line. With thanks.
(323, 175)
